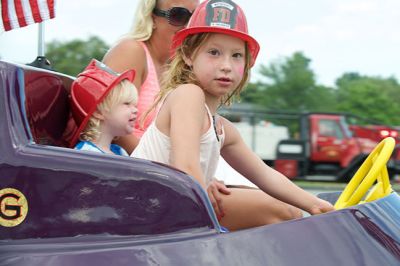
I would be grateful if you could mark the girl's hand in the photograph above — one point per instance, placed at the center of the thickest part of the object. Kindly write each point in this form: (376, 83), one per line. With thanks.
(215, 190)
(321, 206)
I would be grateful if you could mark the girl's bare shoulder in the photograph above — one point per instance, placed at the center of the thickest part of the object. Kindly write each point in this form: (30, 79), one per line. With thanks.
(189, 92)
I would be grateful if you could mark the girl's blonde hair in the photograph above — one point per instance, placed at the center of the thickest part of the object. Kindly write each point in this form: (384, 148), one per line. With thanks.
(123, 92)
(178, 72)
(142, 27)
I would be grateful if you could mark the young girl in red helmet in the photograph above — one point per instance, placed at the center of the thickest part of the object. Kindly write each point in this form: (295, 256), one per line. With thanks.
(103, 104)
(210, 67)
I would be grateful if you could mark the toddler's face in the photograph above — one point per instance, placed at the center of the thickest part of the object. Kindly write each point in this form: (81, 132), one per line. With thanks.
(120, 120)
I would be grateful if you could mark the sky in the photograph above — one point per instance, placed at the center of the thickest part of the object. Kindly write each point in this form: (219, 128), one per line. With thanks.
(338, 36)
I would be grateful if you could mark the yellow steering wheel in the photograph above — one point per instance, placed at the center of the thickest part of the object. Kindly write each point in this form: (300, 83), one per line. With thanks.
(373, 168)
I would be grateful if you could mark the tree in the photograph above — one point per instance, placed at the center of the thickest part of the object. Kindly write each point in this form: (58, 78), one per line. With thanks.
(73, 56)
(290, 86)
(372, 97)
(252, 93)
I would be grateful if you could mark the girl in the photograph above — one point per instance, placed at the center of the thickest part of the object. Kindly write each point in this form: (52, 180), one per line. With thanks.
(210, 67)
(146, 49)
(103, 105)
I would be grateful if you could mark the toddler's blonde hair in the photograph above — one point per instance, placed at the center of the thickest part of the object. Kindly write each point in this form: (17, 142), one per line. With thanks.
(123, 92)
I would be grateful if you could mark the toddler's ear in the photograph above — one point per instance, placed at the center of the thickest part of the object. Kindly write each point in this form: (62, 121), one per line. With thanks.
(98, 115)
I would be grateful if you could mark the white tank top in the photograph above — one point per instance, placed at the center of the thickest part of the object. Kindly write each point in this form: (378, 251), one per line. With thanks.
(156, 146)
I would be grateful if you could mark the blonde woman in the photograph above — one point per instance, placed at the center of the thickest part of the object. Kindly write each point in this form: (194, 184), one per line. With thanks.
(146, 48)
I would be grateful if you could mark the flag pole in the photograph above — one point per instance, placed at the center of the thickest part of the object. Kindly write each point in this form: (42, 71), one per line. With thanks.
(41, 48)
(41, 61)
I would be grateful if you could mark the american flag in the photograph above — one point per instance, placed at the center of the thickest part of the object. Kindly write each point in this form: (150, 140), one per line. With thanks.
(20, 13)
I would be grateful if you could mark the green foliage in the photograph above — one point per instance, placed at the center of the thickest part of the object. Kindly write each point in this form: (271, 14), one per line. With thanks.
(73, 56)
(252, 93)
(372, 97)
(291, 86)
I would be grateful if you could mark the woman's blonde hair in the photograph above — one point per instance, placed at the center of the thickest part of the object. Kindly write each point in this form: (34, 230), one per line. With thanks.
(178, 72)
(142, 27)
(123, 92)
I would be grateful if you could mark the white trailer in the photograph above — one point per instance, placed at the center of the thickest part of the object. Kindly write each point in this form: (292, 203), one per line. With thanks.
(263, 139)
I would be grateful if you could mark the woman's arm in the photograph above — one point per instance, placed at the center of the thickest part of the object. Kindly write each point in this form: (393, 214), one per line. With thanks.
(128, 54)
(246, 162)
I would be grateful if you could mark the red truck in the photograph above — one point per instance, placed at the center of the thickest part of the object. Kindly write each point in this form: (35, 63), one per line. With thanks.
(321, 145)
(330, 146)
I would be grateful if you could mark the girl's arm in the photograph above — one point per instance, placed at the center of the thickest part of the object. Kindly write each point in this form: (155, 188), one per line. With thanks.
(246, 162)
(183, 118)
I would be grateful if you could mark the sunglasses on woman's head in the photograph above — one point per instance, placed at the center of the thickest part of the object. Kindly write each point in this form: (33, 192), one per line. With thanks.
(177, 16)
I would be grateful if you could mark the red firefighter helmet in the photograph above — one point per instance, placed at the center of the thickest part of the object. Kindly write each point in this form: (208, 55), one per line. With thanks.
(218, 16)
(89, 89)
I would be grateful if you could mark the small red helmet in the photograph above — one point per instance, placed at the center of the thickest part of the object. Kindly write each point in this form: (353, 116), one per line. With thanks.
(89, 89)
(218, 16)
